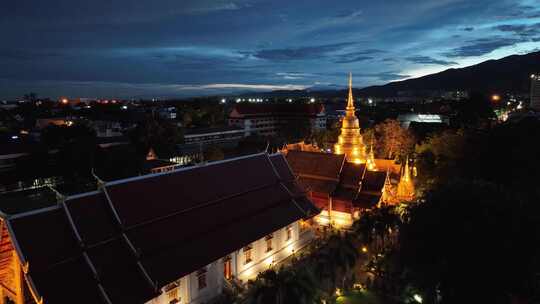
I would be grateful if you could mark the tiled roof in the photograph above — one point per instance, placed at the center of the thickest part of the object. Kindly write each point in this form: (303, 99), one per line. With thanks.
(317, 185)
(366, 200)
(316, 164)
(373, 181)
(124, 242)
(352, 174)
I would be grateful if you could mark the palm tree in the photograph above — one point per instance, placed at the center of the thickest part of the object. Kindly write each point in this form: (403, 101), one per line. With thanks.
(285, 286)
(364, 228)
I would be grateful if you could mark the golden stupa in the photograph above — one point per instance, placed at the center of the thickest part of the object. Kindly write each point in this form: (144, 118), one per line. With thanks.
(350, 141)
(405, 190)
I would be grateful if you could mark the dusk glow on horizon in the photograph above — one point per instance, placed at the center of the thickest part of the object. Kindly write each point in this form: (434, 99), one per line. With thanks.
(170, 48)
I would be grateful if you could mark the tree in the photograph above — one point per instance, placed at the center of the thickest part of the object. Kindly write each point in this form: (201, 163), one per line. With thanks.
(160, 135)
(334, 261)
(473, 242)
(440, 157)
(394, 141)
(284, 286)
(475, 110)
(294, 130)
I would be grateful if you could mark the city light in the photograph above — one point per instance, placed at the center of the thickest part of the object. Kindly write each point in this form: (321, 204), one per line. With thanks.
(312, 100)
(418, 298)
(64, 101)
(364, 249)
(495, 97)
(223, 100)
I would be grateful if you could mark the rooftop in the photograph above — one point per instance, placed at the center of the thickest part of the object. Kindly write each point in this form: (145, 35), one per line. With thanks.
(116, 244)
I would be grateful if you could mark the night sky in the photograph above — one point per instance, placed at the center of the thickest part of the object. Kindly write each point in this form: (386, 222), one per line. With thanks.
(165, 48)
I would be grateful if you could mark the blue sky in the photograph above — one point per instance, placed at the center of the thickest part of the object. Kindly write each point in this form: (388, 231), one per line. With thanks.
(164, 48)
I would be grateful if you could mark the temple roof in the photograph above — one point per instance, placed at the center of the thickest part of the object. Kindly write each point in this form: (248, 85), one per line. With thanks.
(316, 172)
(317, 185)
(124, 242)
(366, 200)
(352, 174)
(316, 164)
(373, 181)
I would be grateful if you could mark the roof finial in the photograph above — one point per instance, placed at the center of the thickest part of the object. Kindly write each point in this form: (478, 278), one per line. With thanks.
(350, 99)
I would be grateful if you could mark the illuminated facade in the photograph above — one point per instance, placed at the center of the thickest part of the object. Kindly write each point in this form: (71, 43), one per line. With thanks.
(350, 141)
(244, 264)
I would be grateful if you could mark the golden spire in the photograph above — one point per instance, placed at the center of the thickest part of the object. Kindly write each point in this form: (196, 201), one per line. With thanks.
(406, 190)
(370, 162)
(350, 99)
(406, 174)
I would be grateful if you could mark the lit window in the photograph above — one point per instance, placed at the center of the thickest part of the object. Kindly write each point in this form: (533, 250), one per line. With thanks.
(201, 278)
(247, 254)
(171, 291)
(268, 240)
(227, 268)
(288, 232)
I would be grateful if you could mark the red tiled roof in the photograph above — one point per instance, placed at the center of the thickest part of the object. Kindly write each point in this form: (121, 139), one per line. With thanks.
(366, 200)
(352, 174)
(316, 185)
(315, 164)
(137, 235)
(373, 181)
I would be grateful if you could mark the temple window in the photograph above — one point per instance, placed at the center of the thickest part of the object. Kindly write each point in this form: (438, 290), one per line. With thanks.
(201, 278)
(268, 240)
(288, 232)
(247, 254)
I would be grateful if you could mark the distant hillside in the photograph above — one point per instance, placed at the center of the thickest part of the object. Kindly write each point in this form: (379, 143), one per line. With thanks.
(509, 74)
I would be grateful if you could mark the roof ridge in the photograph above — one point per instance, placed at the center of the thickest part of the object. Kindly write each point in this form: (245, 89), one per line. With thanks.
(141, 177)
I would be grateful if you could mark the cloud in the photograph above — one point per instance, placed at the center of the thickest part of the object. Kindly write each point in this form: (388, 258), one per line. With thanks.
(468, 29)
(27, 55)
(522, 30)
(429, 60)
(301, 53)
(353, 59)
(481, 47)
(295, 75)
(383, 76)
(358, 56)
(349, 14)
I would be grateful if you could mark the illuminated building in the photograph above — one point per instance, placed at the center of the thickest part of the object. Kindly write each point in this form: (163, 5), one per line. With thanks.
(266, 119)
(535, 92)
(350, 141)
(173, 237)
(301, 146)
(341, 189)
(405, 189)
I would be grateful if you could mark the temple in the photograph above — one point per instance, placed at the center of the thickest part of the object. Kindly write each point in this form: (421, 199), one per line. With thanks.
(341, 189)
(350, 141)
(173, 237)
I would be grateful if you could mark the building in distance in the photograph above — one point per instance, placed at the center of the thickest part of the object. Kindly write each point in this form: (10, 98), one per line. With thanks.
(535, 92)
